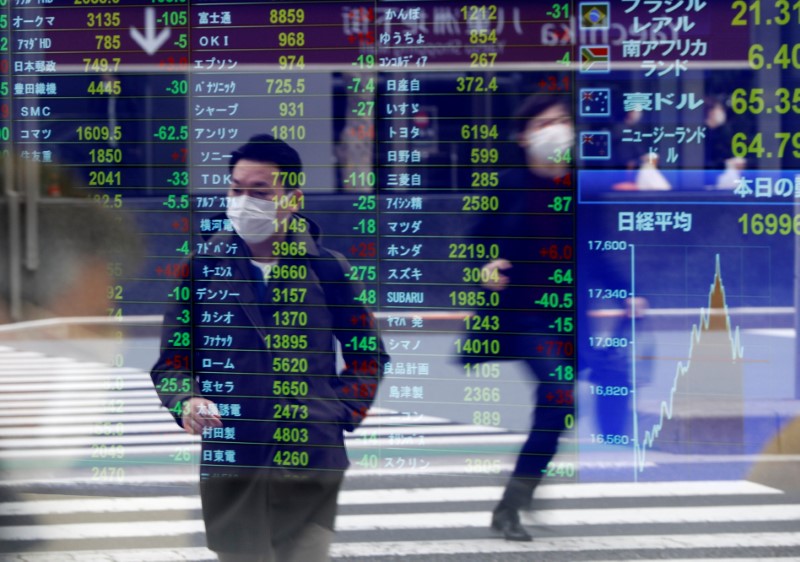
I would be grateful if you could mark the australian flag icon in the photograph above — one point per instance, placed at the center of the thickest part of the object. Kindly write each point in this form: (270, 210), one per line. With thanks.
(595, 102)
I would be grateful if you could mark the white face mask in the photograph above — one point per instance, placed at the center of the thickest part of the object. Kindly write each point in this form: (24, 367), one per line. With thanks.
(716, 117)
(546, 142)
(253, 219)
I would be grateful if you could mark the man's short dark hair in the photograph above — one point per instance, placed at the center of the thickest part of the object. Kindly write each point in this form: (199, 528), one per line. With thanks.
(533, 106)
(269, 150)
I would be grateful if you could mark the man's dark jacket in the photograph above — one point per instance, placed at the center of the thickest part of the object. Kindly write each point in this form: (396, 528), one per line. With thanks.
(250, 342)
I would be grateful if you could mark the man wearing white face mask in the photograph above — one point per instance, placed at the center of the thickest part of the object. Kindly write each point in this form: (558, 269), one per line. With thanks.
(546, 136)
(262, 389)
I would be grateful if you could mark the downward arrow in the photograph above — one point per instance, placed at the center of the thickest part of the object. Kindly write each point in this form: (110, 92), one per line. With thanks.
(150, 42)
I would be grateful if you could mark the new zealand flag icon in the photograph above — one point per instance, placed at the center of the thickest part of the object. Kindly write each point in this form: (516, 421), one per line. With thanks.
(595, 145)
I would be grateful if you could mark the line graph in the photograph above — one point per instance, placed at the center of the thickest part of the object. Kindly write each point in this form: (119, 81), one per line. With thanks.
(712, 338)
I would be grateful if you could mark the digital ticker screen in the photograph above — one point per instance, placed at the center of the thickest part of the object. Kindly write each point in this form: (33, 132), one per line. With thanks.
(551, 240)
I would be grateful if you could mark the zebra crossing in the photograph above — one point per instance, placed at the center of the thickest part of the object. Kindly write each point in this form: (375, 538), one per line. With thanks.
(424, 521)
(58, 424)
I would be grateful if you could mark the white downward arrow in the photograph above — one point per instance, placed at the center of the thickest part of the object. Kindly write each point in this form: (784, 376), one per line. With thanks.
(150, 42)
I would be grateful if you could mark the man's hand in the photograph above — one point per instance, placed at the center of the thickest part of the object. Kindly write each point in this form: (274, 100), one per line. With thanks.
(193, 422)
(494, 280)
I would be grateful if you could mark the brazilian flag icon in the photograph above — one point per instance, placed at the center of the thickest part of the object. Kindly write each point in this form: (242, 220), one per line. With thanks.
(594, 15)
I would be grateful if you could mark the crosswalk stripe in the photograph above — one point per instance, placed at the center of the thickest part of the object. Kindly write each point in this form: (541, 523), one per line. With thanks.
(561, 517)
(63, 421)
(71, 373)
(82, 531)
(197, 554)
(405, 496)
(350, 550)
(59, 405)
(445, 520)
(58, 386)
(704, 559)
(132, 450)
(568, 544)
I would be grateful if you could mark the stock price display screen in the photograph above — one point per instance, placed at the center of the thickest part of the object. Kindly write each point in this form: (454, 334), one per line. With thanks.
(551, 239)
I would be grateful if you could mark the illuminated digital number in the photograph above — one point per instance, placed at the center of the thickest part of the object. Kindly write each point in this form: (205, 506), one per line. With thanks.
(289, 411)
(563, 373)
(291, 435)
(291, 39)
(172, 133)
(555, 300)
(482, 60)
(174, 384)
(293, 272)
(289, 225)
(103, 179)
(102, 19)
(362, 273)
(787, 56)
(479, 132)
(178, 87)
(292, 295)
(559, 469)
(105, 87)
(290, 388)
(476, 346)
(485, 179)
(289, 201)
(174, 18)
(290, 458)
(482, 323)
(289, 364)
(481, 394)
(289, 62)
(480, 203)
(101, 64)
(609, 390)
(484, 156)
(482, 36)
(286, 341)
(483, 466)
(742, 147)
(285, 85)
(105, 155)
(474, 251)
(108, 473)
(770, 224)
(180, 339)
(492, 418)
(99, 133)
(365, 203)
(784, 10)
(482, 370)
(286, 248)
(291, 109)
(475, 84)
(109, 201)
(287, 15)
(367, 296)
(610, 438)
(482, 13)
(107, 42)
(474, 298)
(289, 180)
(108, 451)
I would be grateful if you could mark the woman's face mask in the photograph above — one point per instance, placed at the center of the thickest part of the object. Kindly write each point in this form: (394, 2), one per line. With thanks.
(253, 219)
(549, 142)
